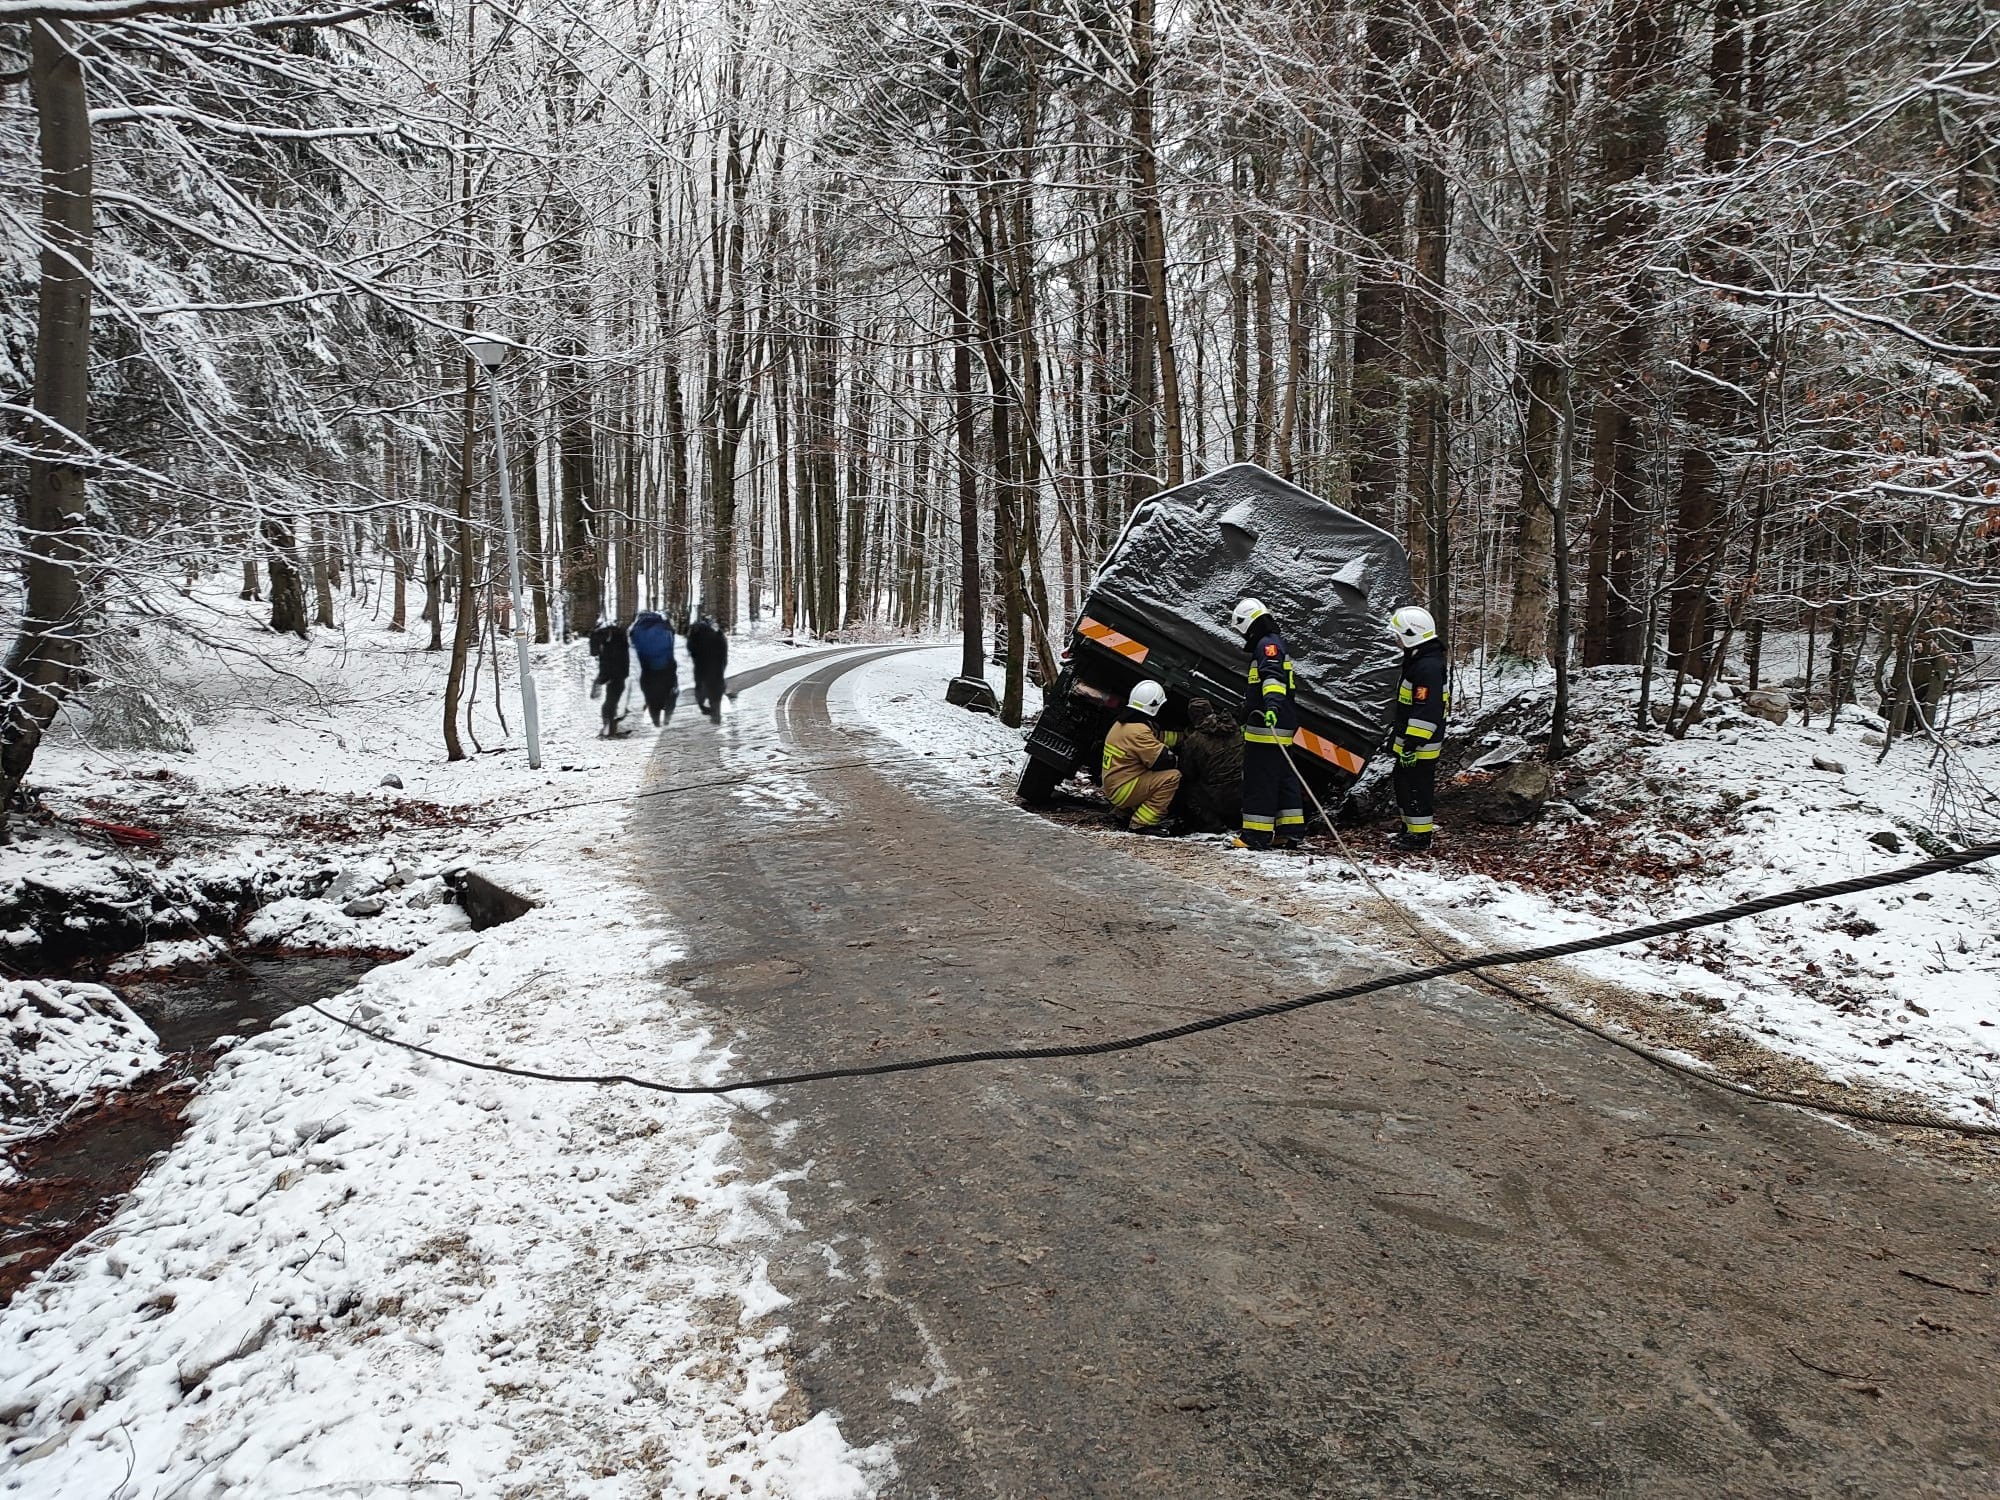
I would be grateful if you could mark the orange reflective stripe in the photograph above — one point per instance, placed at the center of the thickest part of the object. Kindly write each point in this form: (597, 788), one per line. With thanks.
(1327, 750)
(1105, 636)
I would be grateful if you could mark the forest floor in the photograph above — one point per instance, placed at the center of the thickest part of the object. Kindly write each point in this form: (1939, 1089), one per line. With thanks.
(358, 1271)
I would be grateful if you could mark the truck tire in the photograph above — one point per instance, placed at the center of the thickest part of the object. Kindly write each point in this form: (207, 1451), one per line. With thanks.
(1039, 781)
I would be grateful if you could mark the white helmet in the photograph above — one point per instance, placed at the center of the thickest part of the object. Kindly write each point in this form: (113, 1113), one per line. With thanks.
(1246, 614)
(1413, 626)
(1148, 698)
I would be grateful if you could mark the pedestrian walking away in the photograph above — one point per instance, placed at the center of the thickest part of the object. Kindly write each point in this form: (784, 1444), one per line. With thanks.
(1423, 700)
(1273, 802)
(708, 649)
(659, 675)
(612, 647)
(1140, 776)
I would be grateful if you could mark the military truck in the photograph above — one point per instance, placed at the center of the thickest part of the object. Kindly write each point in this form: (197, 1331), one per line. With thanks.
(1159, 608)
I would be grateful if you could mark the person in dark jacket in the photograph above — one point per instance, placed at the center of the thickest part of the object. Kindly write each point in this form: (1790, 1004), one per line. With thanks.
(708, 648)
(1273, 803)
(659, 675)
(612, 647)
(1211, 755)
(1422, 701)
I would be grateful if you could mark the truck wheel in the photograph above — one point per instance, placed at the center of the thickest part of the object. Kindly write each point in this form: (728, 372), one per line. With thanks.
(1038, 785)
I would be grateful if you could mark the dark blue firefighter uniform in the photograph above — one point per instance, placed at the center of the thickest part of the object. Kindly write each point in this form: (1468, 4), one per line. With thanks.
(1422, 702)
(1273, 806)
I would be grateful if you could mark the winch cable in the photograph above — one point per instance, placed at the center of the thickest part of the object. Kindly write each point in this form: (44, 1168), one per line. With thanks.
(1882, 1115)
(1476, 964)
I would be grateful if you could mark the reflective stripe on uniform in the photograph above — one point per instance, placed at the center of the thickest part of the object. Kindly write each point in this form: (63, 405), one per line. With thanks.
(1274, 686)
(1257, 825)
(1292, 817)
(1429, 752)
(1145, 817)
(1419, 823)
(1266, 737)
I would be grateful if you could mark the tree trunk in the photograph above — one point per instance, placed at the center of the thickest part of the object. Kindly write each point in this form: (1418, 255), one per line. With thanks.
(1544, 381)
(1634, 138)
(288, 592)
(971, 608)
(1375, 386)
(1709, 413)
(1430, 414)
(465, 625)
(43, 663)
(1153, 238)
(322, 575)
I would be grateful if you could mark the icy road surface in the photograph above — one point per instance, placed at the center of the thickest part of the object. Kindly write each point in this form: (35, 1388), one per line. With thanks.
(1419, 1246)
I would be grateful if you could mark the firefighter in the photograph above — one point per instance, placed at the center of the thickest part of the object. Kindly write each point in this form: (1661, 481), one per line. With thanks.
(1140, 776)
(1422, 701)
(1273, 805)
(1211, 757)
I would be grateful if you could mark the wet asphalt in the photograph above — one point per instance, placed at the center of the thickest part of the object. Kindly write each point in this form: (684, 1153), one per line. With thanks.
(1422, 1245)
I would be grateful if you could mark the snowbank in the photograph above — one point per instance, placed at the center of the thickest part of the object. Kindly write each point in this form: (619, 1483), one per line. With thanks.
(60, 1044)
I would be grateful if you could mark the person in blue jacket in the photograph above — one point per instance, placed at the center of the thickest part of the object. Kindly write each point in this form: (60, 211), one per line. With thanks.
(659, 676)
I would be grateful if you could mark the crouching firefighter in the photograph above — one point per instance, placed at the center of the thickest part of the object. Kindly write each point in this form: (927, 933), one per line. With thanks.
(1273, 804)
(1422, 702)
(1140, 776)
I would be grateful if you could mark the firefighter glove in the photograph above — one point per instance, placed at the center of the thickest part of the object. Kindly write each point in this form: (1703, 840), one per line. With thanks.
(1270, 718)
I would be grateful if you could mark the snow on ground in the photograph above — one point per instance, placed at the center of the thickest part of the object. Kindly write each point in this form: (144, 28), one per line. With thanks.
(61, 1043)
(364, 1272)
(902, 697)
(1899, 989)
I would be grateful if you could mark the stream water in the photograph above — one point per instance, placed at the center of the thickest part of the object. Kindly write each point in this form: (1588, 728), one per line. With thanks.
(72, 1180)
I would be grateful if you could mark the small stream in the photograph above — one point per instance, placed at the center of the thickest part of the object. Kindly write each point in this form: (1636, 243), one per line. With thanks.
(72, 1180)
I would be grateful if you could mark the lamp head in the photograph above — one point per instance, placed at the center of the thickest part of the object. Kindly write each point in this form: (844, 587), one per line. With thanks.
(488, 350)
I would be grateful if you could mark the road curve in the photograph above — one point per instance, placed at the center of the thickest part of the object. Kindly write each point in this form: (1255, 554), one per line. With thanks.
(1422, 1246)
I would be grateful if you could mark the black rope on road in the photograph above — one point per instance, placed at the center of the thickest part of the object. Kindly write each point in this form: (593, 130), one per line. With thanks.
(1470, 965)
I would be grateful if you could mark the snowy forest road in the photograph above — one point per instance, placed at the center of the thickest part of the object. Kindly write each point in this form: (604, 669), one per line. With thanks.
(1421, 1246)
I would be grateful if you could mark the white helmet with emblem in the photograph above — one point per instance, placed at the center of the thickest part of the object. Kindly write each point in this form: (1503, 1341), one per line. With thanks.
(1413, 626)
(1148, 698)
(1247, 613)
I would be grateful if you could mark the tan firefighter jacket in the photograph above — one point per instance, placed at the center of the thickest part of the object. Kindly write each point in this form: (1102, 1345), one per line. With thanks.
(1132, 748)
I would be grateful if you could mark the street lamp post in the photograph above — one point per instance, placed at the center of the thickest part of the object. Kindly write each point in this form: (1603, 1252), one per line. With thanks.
(490, 353)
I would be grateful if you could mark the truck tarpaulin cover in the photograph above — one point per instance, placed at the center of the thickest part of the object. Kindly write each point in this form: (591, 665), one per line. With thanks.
(1188, 554)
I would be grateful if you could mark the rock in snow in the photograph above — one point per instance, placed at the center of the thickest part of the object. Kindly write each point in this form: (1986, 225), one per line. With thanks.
(1887, 839)
(1826, 763)
(393, 780)
(1517, 795)
(365, 906)
(1772, 708)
